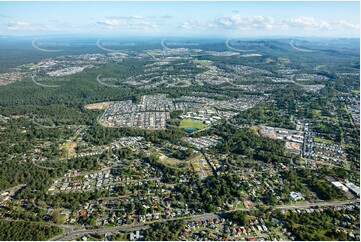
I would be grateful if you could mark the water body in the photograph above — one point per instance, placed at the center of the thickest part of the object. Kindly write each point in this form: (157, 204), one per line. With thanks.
(189, 129)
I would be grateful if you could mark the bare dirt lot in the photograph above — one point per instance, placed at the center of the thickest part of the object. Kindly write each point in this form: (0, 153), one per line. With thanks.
(97, 106)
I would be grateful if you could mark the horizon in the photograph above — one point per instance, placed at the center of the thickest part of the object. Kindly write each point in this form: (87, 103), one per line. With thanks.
(182, 19)
(266, 37)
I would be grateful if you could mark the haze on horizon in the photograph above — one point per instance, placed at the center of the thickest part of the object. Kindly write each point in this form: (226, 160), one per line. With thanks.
(183, 19)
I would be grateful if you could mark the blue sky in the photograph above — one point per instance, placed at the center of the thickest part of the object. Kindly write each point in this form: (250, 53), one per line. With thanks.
(218, 19)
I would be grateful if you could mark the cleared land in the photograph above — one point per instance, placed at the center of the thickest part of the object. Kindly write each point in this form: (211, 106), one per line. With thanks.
(195, 166)
(172, 162)
(97, 106)
(70, 146)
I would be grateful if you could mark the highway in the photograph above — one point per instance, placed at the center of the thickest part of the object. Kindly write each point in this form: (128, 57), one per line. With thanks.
(69, 232)
(320, 204)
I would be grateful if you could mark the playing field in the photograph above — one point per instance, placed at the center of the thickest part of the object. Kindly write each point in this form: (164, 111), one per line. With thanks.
(190, 123)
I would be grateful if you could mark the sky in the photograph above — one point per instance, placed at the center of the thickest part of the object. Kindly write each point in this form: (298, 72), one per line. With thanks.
(198, 19)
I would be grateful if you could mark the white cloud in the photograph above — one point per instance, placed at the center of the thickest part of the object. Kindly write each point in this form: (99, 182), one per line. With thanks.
(110, 23)
(237, 21)
(197, 25)
(51, 26)
(344, 24)
(135, 22)
(260, 22)
(186, 25)
(18, 26)
(307, 23)
(232, 24)
(312, 23)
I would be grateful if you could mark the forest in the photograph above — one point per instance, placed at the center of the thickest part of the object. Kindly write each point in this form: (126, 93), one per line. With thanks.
(25, 231)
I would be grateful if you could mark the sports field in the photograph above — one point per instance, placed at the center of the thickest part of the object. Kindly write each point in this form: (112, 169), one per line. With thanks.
(190, 123)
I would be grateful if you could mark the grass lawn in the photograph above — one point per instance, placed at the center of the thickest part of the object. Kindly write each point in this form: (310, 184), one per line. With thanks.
(356, 91)
(71, 146)
(283, 59)
(256, 128)
(190, 123)
(210, 73)
(317, 113)
(195, 166)
(204, 63)
(240, 205)
(322, 140)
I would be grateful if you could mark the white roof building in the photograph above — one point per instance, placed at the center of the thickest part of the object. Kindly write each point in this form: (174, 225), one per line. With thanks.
(339, 185)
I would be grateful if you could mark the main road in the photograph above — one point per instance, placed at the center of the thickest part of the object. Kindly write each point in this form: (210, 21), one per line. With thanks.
(69, 232)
